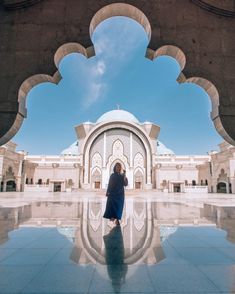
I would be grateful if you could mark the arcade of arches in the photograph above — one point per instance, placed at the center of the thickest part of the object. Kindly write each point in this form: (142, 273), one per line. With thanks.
(118, 136)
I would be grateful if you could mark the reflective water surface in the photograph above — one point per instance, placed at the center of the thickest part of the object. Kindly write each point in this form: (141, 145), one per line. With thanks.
(160, 247)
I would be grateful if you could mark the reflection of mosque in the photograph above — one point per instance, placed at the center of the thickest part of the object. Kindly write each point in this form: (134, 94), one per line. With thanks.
(146, 235)
(145, 225)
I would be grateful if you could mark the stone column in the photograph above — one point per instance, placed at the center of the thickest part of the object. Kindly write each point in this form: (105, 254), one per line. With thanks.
(232, 180)
(227, 187)
(76, 182)
(131, 182)
(104, 175)
(4, 186)
(131, 150)
(104, 150)
(158, 167)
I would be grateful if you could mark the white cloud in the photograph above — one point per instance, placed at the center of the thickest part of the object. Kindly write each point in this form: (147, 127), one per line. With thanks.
(112, 54)
(128, 34)
(99, 68)
(94, 93)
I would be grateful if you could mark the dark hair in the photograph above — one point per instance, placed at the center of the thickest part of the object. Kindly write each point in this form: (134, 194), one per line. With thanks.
(116, 164)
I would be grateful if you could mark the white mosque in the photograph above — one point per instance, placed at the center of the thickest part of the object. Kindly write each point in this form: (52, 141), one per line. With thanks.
(118, 136)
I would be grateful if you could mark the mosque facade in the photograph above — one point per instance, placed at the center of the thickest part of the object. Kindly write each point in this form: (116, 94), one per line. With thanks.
(118, 136)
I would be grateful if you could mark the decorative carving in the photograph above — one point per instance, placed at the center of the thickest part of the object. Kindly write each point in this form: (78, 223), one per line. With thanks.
(118, 148)
(10, 173)
(138, 160)
(96, 160)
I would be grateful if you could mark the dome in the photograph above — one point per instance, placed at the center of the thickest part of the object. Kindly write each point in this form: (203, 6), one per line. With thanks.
(117, 114)
(163, 150)
(71, 150)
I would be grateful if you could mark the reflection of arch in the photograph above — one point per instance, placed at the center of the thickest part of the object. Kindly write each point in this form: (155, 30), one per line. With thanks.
(121, 9)
(141, 253)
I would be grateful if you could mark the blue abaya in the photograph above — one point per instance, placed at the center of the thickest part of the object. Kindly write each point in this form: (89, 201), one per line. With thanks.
(115, 194)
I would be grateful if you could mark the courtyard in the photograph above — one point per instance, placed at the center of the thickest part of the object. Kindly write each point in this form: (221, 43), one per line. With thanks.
(167, 243)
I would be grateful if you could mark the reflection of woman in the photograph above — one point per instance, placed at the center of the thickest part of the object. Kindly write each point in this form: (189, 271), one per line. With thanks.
(114, 257)
(115, 194)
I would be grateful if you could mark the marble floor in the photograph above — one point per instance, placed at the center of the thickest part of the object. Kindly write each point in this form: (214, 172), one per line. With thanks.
(167, 243)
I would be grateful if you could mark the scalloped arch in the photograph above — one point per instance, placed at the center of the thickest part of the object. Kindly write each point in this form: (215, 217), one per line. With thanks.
(117, 9)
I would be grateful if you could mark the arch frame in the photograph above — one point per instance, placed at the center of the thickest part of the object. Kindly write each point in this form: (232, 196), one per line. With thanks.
(105, 126)
(220, 113)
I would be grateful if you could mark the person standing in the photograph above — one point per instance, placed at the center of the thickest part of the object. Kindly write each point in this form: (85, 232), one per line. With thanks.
(115, 194)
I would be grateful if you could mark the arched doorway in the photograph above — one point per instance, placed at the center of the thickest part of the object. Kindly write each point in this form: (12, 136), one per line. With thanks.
(11, 186)
(96, 178)
(221, 187)
(138, 179)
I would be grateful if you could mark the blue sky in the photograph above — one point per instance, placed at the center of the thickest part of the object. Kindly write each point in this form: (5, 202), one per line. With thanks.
(118, 74)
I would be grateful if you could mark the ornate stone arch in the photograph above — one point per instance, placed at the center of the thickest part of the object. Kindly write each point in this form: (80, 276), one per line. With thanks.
(139, 177)
(96, 176)
(96, 160)
(163, 40)
(117, 156)
(139, 160)
(101, 128)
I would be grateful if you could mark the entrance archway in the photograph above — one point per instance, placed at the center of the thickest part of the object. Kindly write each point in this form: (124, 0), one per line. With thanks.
(11, 186)
(221, 187)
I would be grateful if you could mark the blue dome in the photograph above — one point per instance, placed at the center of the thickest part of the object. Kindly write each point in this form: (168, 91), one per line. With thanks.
(71, 150)
(163, 150)
(117, 115)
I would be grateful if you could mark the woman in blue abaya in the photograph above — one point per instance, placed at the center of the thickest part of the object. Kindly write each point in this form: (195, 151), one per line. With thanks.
(115, 194)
